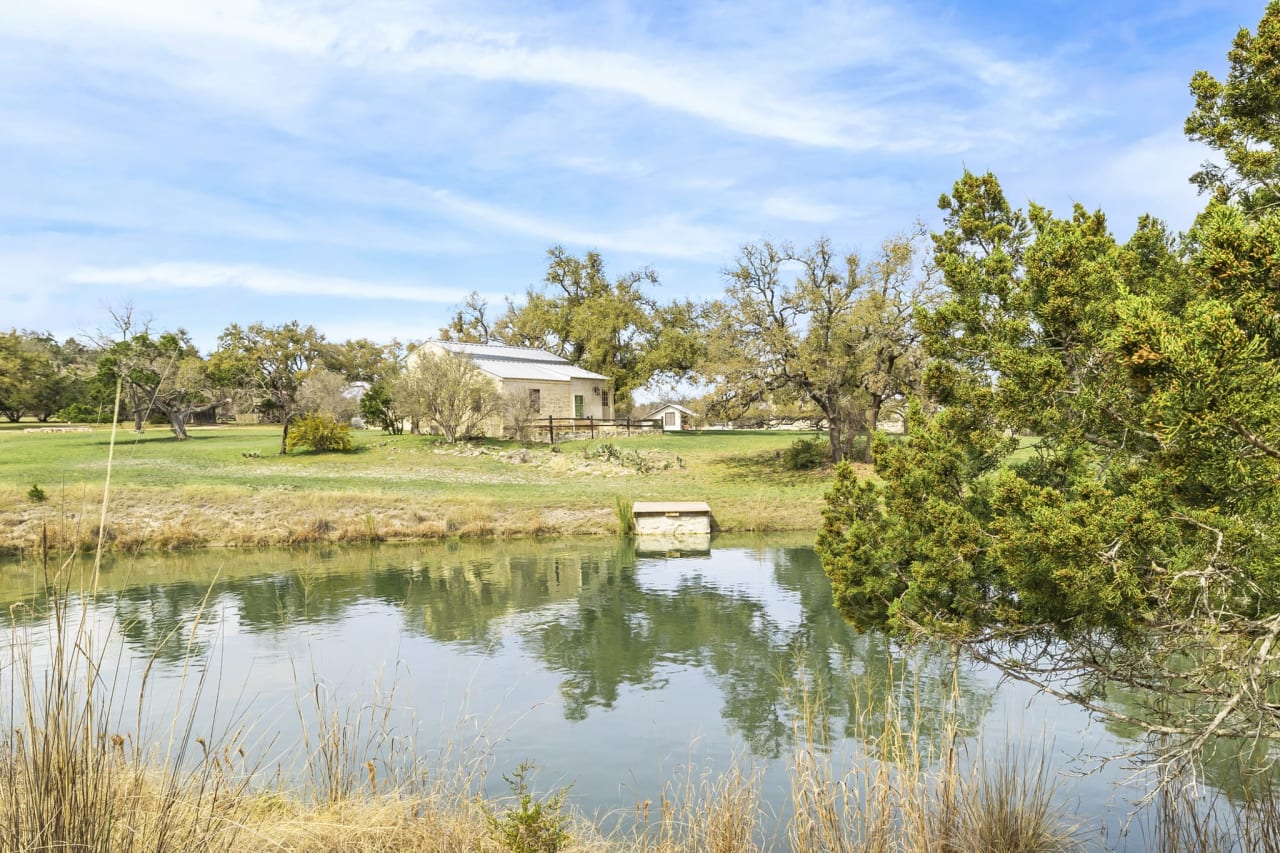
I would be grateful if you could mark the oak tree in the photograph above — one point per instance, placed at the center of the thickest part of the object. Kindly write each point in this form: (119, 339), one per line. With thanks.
(838, 340)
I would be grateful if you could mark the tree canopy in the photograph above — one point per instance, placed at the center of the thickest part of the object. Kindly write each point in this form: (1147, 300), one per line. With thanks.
(162, 373)
(839, 340)
(1133, 538)
(37, 375)
(1237, 118)
(613, 327)
(1094, 506)
(270, 362)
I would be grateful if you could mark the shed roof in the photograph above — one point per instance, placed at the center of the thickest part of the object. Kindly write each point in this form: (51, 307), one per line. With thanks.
(658, 409)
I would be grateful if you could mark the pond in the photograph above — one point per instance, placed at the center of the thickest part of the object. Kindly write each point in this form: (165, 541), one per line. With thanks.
(613, 669)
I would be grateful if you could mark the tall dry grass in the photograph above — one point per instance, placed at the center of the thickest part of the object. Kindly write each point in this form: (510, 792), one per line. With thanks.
(69, 779)
(912, 793)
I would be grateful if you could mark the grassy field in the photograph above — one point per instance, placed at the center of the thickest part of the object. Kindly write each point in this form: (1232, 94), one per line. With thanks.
(228, 486)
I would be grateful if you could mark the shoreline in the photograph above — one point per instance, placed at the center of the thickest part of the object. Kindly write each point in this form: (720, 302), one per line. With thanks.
(148, 520)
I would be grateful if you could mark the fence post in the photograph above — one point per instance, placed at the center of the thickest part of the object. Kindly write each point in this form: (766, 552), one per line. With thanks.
(551, 430)
(591, 424)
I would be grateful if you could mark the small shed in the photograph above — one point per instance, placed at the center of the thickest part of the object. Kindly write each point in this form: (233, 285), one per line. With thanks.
(674, 417)
(671, 517)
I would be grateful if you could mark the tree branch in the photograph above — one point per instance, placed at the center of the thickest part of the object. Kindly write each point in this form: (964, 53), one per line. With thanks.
(1253, 439)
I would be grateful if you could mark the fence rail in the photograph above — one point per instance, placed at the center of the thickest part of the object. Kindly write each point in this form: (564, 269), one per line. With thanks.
(566, 427)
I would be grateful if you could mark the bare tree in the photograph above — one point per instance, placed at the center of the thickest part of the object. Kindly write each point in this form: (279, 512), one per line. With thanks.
(518, 410)
(448, 392)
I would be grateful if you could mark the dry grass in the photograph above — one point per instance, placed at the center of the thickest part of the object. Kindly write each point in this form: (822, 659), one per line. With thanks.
(913, 797)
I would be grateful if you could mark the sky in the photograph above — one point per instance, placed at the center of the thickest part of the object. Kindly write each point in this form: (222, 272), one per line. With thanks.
(363, 166)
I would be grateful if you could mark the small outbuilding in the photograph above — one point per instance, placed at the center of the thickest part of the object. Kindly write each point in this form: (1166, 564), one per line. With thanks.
(671, 518)
(674, 417)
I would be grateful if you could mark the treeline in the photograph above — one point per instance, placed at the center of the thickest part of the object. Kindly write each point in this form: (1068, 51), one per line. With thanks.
(800, 334)
(161, 376)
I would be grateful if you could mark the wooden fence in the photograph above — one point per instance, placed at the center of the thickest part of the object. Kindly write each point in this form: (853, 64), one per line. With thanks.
(590, 427)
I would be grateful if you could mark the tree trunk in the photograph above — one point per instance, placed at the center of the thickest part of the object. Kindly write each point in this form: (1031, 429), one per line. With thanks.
(177, 422)
(284, 433)
(871, 418)
(178, 417)
(835, 433)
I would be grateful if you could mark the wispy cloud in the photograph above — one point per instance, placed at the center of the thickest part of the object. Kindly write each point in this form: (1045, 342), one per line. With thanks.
(262, 280)
(672, 235)
(413, 150)
(801, 210)
(785, 88)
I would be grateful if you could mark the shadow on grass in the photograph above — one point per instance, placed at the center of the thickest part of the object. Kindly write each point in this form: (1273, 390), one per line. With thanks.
(769, 466)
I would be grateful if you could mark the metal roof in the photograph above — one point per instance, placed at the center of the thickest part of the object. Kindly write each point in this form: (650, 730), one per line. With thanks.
(658, 409)
(520, 362)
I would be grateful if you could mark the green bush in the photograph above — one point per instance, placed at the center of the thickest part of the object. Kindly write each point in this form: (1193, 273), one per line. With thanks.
(321, 433)
(806, 454)
(35, 494)
(80, 413)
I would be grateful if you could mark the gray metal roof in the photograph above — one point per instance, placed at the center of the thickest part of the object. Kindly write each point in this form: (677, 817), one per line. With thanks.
(520, 362)
(656, 409)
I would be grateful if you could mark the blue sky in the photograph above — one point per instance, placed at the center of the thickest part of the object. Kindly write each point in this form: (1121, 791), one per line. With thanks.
(362, 166)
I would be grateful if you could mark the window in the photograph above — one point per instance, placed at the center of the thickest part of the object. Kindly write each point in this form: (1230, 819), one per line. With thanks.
(535, 400)
(577, 405)
(669, 419)
(604, 399)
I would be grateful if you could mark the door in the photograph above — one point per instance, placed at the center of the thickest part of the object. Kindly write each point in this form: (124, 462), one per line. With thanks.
(577, 405)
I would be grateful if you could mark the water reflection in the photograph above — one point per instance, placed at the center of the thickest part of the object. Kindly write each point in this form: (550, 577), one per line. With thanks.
(642, 659)
(600, 616)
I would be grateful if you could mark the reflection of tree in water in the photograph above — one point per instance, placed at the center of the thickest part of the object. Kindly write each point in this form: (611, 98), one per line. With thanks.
(866, 681)
(580, 609)
(158, 620)
(461, 599)
(1245, 770)
(622, 634)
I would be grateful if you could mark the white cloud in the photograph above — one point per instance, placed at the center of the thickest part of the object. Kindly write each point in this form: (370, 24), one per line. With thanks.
(801, 210)
(273, 60)
(671, 235)
(262, 280)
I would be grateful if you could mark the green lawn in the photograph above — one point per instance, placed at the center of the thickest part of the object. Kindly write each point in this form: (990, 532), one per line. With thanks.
(229, 485)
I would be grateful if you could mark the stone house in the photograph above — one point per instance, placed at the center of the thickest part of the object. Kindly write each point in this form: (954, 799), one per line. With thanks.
(554, 386)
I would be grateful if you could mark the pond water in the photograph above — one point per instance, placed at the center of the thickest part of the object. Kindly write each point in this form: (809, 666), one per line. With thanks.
(613, 669)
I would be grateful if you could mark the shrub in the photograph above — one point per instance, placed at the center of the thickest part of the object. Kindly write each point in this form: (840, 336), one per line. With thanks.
(80, 413)
(321, 433)
(35, 494)
(377, 407)
(807, 453)
(532, 825)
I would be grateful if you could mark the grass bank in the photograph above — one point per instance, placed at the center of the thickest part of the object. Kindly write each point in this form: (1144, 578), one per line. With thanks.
(227, 486)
